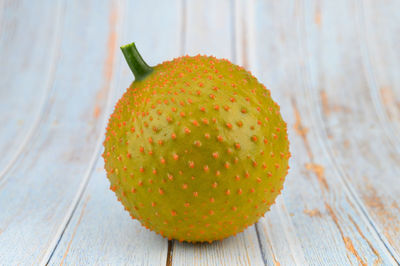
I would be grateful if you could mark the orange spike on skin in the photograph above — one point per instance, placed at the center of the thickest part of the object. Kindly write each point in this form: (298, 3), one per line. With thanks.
(196, 150)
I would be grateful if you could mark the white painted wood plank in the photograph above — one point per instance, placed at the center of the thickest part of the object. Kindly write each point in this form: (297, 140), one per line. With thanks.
(245, 38)
(356, 136)
(242, 249)
(100, 231)
(209, 30)
(29, 49)
(317, 220)
(379, 25)
(320, 218)
(37, 196)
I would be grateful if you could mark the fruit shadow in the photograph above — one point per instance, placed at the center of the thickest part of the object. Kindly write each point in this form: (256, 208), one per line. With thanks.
(229, 249)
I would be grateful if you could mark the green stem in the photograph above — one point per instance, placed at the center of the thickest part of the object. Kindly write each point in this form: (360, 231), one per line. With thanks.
(135, 61)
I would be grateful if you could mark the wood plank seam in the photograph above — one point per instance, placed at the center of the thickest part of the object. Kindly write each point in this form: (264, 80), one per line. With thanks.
(240, 53)
(98, 149)
(244, 47)
(262, 248)
(239, 56)
(49, 87)
(74, 230)
(241, 49)
(182, 49)
(316, 120)
(220, 247)
(289, 231)
(170, 252)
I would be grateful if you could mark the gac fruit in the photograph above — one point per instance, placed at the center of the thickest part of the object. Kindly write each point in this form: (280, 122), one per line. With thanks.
(196, 149)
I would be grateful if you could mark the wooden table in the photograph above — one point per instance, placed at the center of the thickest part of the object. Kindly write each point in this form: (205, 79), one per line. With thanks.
(333, 66)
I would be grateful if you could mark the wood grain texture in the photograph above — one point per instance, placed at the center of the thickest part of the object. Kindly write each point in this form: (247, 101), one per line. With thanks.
(355, 136)
(333, 66)
(242, 249)
(209, 28)
(378, 26)
(100, 231)
(37, 195)
(320, 216)
(29, 49)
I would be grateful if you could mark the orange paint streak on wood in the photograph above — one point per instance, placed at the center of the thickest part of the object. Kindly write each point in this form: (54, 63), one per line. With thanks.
(244, 45)
(387, 95)
(298, 126)
(379, 259)
(318, 15)
(388, 236)
(312, 213)
(300, 129)
(319, 171)
(390, 223)
(270, 244)
(325, 103)
(108, 65)
(327, 108)
(389, 100)
(350, 247)
(96, 112)
(112, 43)
(347, 241)
(346, 143)
(396, 206)
(247, 256)
(75, 229)
(276, 263)
(374, 201)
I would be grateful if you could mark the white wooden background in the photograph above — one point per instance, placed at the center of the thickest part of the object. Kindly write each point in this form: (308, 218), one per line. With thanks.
(333, 66)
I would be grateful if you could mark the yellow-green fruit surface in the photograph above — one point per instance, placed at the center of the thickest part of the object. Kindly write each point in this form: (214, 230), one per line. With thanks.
(197, 151)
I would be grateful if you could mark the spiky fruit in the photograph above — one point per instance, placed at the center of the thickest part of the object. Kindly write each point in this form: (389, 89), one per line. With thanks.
(195, 149)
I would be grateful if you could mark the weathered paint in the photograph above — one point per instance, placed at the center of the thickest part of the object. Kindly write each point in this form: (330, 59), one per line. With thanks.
(332, 66)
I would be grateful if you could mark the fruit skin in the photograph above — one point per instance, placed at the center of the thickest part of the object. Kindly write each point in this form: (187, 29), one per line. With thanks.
(196, 151)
